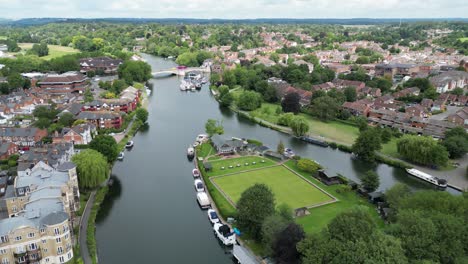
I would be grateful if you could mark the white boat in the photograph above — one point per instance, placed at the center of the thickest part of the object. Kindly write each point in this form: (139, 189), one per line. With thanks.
(427, 177)
(196, 173)
(129, 144)
(148, 91)
(121, 156)
(190, 151)
(224, 234)
(203, 201)
(213, 216)
(199, 187)
(289, 153)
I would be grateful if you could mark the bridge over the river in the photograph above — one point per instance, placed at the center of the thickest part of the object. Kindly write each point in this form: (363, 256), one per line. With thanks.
(180, 71)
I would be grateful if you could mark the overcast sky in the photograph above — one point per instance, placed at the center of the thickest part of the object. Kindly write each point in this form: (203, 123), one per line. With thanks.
(235, 8)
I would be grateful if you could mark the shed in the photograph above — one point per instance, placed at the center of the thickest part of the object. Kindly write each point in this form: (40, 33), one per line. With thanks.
(325, 177)
(207, 166)
(376, 197)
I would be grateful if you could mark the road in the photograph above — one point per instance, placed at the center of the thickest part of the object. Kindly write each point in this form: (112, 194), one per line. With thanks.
(84, 251)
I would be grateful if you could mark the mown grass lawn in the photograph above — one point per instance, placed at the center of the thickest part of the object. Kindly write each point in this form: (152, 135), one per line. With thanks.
(333, 130)
(3, 37)
(463, 39)
(218, 164)
(206, 149)
(287, 187)
(55, 51)
(321, 216)
(267, 112)
(390, 148)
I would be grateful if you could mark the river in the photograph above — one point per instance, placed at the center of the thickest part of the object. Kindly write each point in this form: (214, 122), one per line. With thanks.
(151, 215)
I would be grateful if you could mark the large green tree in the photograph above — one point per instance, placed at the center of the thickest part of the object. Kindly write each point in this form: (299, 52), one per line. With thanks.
(290, 103)
(254, 206)
(299, 126)
(213, 127)
(325, 108)
(367, 144)
(106, 145)
(249, 100)
(134, 71)
(422, 150)
(92, 168)
(370, 181)
(142, 114)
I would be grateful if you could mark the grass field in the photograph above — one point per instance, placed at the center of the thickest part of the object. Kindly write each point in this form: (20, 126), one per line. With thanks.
(3, 37)
(463, 39)
(54, 50)
(321, 216)
(288, 188)
(333, 130)
(390, 148)
(218, 164)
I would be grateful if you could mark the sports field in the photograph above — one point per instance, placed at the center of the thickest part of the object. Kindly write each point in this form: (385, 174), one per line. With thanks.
(234, 165)
(287, 187)
(54, 50)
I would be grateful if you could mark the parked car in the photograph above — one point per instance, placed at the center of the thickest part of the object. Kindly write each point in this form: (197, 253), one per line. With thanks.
(213, 216)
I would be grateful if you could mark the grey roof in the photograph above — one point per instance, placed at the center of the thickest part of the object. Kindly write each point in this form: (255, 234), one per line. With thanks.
(51, 153)
(9, 224)
(43, 207)
(66, 166)
(92, 115)
(47, 192)
(18, 132)
(54, 218)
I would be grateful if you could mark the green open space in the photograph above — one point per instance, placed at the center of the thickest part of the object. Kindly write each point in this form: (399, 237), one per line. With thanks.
(463, 39)
(333, 130)
(287, 187)
(205, 150)
(55, 51)
(321, 216)
(390, 148)
(3, 37)
(238, 165)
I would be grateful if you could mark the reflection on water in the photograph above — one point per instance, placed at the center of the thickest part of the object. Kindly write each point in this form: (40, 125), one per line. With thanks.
(115, 190)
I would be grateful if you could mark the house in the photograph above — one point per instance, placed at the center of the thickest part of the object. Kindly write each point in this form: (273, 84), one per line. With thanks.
(102, 119)
(356, 108)
(460, 118)
(81, 134)
(100, 65)
(396, 69)
(417, 110)
(51, 154)
(327, 178)
(412, 91)
(69, 82)
(7, 149)
(227, 147)
(450, 80)
(341, 84)
(22, 136)
(427, 103)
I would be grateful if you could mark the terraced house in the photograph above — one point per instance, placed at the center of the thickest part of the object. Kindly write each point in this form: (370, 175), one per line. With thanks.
(22, 136)
(41, 207)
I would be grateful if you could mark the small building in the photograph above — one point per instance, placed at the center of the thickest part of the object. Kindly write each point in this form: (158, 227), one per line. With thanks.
(227, 147)
(100, 65)
(376, 197)
(327, 178)
(7, 149)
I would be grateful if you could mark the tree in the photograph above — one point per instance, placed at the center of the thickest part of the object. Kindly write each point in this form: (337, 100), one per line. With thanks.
(271, 226)
(280, 148)
(142, 115)
(118, 86)
(40, 50)
(88, 96)
(274, 57)
(370, 181)
(350, 93)
(361, 123)
(299, 126)
(92, 168)
(285, 245)
(249, 100)
(308, 165)
(285, 119)
(254, 206)
(325, 108)
(226, 99)
(106, 145)
(42, 123)
(367, 144)
(134, 71)
(66, 119)
(213, 127)
(394, 195)
(422, 150)
(456, 146)
(15, 81)
(290, 103)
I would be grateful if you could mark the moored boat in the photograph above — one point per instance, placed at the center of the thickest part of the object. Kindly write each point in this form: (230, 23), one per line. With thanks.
(190, 152)
(196, 173)
(427, 177)
(129, 144)
(314, 141)
(121, 156)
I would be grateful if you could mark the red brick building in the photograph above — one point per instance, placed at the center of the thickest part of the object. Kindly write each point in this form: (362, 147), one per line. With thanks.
(69, 82)
(7, 149)
(102, 119)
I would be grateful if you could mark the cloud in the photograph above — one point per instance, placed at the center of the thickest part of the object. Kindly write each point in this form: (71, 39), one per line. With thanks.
(234, 8)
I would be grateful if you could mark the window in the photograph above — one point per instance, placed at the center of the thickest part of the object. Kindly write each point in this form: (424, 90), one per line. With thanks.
(59, 250)
(14, 209)
(20, 191)
(42, 230)
(57, 231)
(5, 261)
(66, 236)
(22, 259)
(45, 250)
(62, 260)
(69, 255)
(4, 239)
(44, 241)
(18, 238)
(58, 240)
(3, 251)
(47, 260)
(31, 235)
(33, 246)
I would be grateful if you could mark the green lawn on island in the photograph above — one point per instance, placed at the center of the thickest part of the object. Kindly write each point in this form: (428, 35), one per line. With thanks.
(321, 216)
(55, 51)
(217, 165)
(287, 187)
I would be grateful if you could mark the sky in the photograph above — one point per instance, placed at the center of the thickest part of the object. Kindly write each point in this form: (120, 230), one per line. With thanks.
(234, 9)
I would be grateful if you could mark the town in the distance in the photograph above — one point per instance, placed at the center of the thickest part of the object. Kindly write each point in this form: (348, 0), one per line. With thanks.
(233, 141)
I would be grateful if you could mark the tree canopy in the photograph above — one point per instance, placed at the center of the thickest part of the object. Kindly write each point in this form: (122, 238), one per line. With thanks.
(106, 145)
(92, 168)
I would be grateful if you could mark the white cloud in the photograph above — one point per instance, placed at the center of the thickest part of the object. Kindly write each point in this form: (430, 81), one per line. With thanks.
(234, 8)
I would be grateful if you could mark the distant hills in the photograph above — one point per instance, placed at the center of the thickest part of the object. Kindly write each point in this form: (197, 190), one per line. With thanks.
(348, 21)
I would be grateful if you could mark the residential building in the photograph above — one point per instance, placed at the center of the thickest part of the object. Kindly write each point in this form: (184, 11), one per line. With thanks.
(460, 118)
(450, 80)
(100, 65)
(7, 149)
(417, 111)
(227, 147)
(81, 134)
(22, 136)
(412, 91)
(69, 82)
(396, 69)
(51, 154)
(357, 108)
(102, 119)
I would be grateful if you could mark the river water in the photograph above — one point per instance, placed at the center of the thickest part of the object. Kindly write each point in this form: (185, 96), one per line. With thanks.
(151, 215)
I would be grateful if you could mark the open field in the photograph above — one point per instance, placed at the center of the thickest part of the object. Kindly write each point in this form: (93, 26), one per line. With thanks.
(390, 148)
(3, 37)
(54, 50)
(463, 39)
(218, 164)
(287, 187)
(333, 130)
(321, 216)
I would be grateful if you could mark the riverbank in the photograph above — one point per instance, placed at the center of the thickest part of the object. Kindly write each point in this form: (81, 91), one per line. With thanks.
(87, 227)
